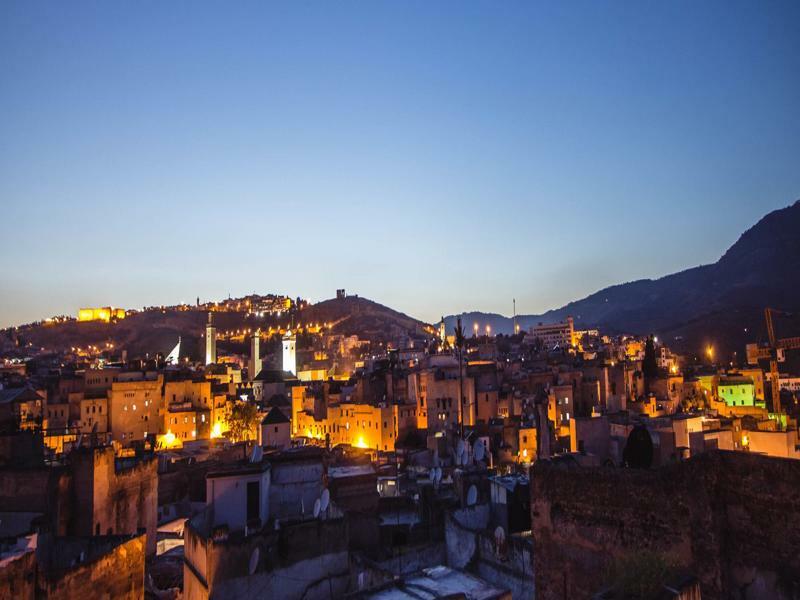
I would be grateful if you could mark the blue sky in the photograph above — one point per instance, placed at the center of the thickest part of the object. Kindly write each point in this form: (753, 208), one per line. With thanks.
(433, 156)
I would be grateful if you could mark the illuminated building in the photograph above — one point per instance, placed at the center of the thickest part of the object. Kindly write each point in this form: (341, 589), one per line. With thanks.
(134, 409)
(555, 334)
(211, 342)
(104, 313)
(360, 425)
(289, 357)
(737, 391)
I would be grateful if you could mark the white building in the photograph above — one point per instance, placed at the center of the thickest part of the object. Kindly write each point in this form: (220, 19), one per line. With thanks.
(239, 495)
(289, 358)
(560, 334)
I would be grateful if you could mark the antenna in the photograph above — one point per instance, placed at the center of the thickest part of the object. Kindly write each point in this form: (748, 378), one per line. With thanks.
(472, 495)
(257, 454)
(478, 450)
(499, 535)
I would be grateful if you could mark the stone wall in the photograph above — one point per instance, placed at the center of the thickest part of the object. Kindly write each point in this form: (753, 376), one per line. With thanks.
(71, 567)
(732, 519)
(115, 496)
(117, 571)
(44, 489)
(18, 576)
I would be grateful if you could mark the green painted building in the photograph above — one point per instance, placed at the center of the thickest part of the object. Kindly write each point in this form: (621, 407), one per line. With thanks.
(737, 390)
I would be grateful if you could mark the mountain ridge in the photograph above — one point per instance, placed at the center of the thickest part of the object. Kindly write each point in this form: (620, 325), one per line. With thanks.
(758, 270)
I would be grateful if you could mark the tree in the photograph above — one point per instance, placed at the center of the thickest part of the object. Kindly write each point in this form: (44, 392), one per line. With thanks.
(243, 422)
(459, 341)
(640, 574)
(649, 364)
(638, 452)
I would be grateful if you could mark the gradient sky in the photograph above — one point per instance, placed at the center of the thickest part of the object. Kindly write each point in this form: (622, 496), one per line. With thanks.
(434, 156)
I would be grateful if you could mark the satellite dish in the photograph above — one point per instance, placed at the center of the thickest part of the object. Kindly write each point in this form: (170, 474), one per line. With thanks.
(460, 448)
(457, 458)
(432, 475)
(499, 535)
(478, 450)
(316, 507)
(324, 500)
(472, 495)
(254, 560)
(465, 455)
(438, 474)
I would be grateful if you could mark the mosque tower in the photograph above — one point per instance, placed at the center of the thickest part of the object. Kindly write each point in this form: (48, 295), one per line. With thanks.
(211, 342)
(254, 367)
(289, 358)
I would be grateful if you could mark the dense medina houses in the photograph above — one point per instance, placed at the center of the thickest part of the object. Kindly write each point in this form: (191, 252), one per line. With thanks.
(299, 472)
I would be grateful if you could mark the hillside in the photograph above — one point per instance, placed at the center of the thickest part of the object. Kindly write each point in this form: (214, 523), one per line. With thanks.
(155, 331)
(761, 269)
(354, 315)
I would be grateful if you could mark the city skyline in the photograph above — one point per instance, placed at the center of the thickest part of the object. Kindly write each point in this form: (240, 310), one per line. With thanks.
(544, 151)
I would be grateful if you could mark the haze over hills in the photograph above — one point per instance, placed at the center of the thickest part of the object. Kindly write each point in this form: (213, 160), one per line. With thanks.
(720, 304)
(761, 269)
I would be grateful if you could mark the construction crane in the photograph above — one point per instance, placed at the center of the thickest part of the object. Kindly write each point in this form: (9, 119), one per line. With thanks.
(775, 352)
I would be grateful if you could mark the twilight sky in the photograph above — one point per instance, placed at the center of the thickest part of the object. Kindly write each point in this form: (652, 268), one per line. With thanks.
(433, 156)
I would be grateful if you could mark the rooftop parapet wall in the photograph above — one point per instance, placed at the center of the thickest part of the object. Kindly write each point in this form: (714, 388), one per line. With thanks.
(733, 519)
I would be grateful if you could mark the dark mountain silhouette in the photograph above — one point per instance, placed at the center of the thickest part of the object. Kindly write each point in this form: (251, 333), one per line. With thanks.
(761, 269)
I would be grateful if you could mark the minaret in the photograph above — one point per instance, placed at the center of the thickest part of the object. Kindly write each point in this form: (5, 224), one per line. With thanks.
(289, 358)
(442, 332)
(254, 367)
(516, 327)
(211, 342)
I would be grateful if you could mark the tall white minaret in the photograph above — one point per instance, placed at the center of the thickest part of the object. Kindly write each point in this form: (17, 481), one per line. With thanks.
(255, 355)
(211, 342)
(289, 358)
